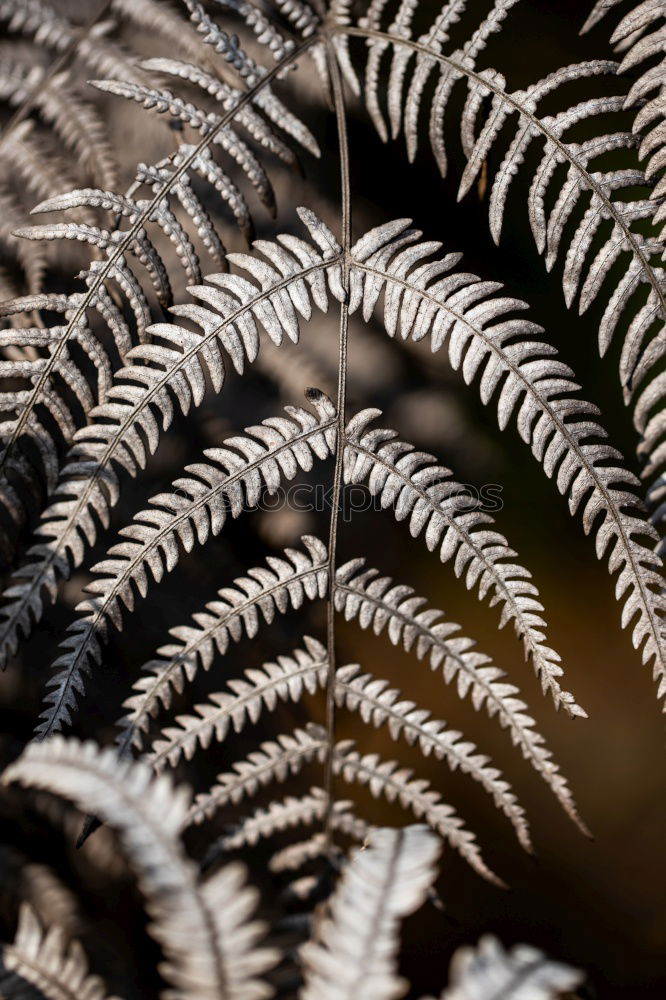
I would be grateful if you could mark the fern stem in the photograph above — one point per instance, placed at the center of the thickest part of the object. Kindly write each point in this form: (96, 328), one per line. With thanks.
(343, 142)
(128, 236)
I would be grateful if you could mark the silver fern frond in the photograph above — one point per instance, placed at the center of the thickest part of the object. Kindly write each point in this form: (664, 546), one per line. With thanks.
(424, 493)
(231, 481)
(204, 929)
(286, 679)
(490, 970)
(46, 959)
(385, 882)
(277, 760)
(641, 34)
(378, 604)
(284, 585)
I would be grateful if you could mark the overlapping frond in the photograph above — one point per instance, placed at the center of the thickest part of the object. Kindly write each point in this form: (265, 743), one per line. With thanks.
(641, 34)
(232, 480)
(169, 372)
(277, 760)
(490, 970)
(204, 929)
(47, 960)
(379, 886)
(617, 221)
(531, 386)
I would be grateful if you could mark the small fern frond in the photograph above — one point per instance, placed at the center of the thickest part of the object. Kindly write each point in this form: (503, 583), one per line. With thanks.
(277, 760)
(170, 370)
(490, 970)
(384, 883)
(45, 959)
(231, 481)
(204, 929)
(534, 388)
(361, 593)
(263, 824)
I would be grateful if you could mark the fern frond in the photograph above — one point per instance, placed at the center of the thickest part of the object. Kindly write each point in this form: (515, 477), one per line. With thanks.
(490, 970)
(170, 370)
(361, 593)
(255, 75)
(46, 960)
(165, 102)
(383, 883)
(276, 760)
(204, 929)
(237, 611)
(284, 680)
(461, 312)
(231, 481)
(227, 96)
(277, 817)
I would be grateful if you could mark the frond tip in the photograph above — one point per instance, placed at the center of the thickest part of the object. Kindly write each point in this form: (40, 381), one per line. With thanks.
(355, 945)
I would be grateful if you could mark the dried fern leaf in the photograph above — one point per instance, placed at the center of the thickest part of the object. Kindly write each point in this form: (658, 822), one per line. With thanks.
(383, 883)
(252, 122)
(641, 34)
(46, 960)
(489, 970)
(204, 930)
(165, 102)
(231, 481)
(462, 312)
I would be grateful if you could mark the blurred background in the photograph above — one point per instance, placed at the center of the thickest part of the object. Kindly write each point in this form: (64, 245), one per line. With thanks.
(598, 904)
